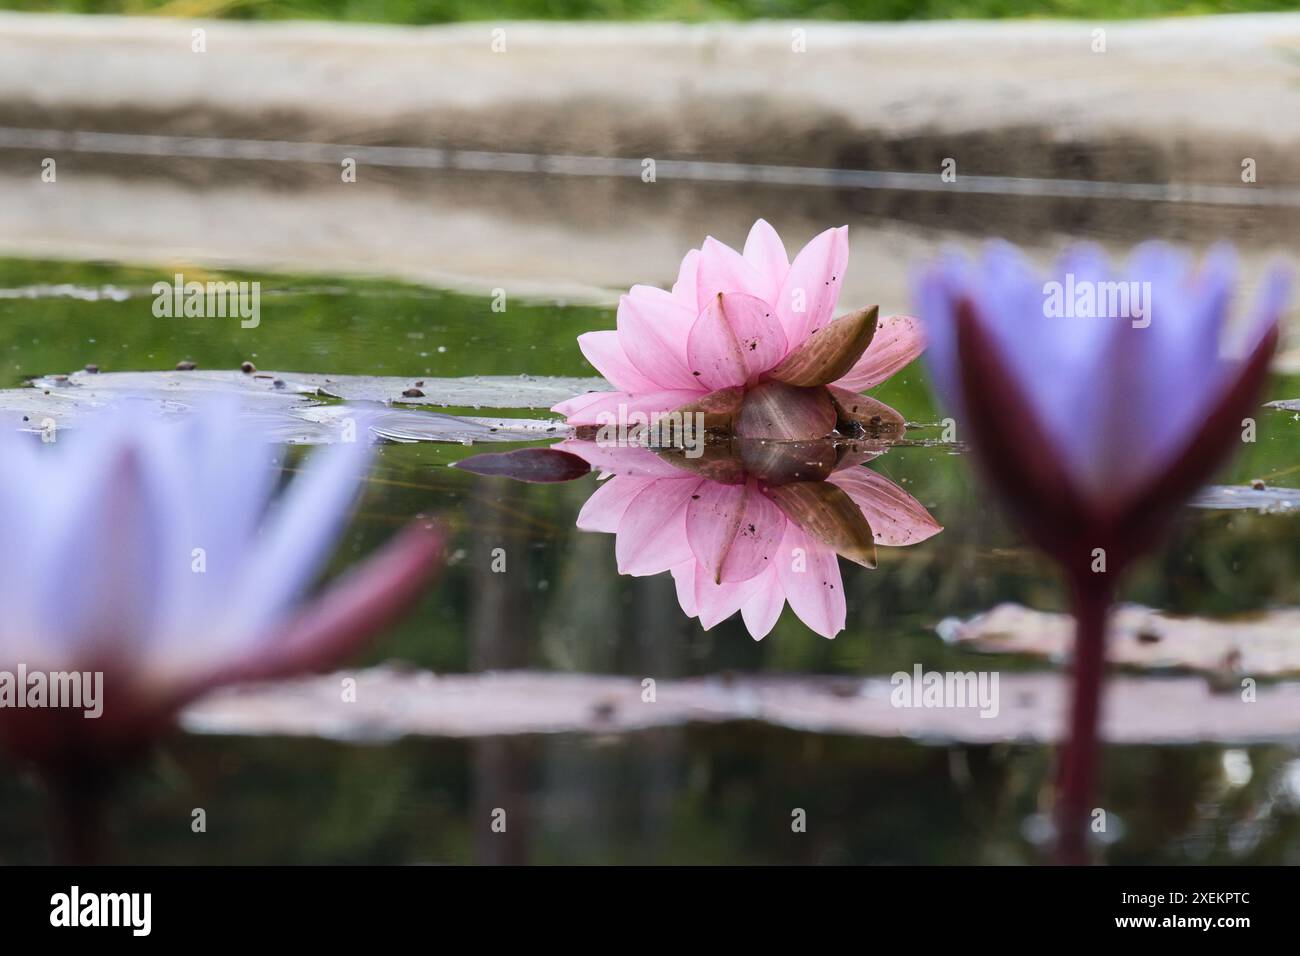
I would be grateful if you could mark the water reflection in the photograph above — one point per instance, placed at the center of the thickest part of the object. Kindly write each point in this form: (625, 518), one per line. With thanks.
(748, 525)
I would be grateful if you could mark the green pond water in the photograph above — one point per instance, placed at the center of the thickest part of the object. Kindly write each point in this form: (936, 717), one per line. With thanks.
(719, 794)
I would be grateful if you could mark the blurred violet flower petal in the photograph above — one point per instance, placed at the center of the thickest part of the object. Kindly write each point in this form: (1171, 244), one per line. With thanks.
(156, 552)
(1096, 400)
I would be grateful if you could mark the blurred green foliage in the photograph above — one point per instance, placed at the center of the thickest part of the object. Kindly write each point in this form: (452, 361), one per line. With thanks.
(452, 11)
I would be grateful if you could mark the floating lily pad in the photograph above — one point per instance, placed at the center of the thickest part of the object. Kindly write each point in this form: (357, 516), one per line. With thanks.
(1032, 708)
(1263, 645)
(296, 408)
(478, 391)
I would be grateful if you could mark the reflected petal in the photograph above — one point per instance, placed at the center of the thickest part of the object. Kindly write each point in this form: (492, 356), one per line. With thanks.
(717, 602)
(764, 608)
(827, 513)
(780, 462)
(896, 518)
(684, 580)
(733, 530)
(620, 459)
(810, 576)
(605, 509)
(534, 465)
(652, 533)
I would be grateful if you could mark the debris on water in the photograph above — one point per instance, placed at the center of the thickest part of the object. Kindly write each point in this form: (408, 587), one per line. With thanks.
(413, 393)
(1159, 710)
(92, 369)
(1256, 496)
(247, 367)
(109, 293)
(1222, 649)
(949, 630)
(186, 366)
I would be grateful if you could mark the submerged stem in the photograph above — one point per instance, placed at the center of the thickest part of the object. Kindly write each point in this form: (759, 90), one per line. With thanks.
(78, 817)
(1076, 780)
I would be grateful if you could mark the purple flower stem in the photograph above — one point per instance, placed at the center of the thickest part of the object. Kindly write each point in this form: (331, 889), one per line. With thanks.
(78, 817)
(1077, 774)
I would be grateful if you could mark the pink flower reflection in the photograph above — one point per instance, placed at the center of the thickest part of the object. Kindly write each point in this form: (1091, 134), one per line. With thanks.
(731, 546)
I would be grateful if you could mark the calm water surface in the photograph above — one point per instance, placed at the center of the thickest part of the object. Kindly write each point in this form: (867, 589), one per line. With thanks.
(696, 794)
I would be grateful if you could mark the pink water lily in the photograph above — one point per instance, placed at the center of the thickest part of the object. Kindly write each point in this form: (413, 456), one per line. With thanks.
(748, 337)
(747, 543)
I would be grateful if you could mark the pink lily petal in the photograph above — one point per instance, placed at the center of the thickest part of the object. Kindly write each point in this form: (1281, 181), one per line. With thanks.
(620, 461)
(605, 352)
(606, 507)
(786, 412)
(873, 415)
(814, 284)
(718, 407)
(684, 287)
(763, 609)
(766, 253)
(735, 339)
(830, 352)
(896, 518)
(607, 407)
(733, 530)
(815, 593)
(684, 580)
(652, 328)
(575, 405)
(717, 602)
(723, 269)
(899, 340)
(652, 535)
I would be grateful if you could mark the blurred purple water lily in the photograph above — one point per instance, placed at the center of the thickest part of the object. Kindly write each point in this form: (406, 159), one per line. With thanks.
(158, 553)
(1096, 400)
